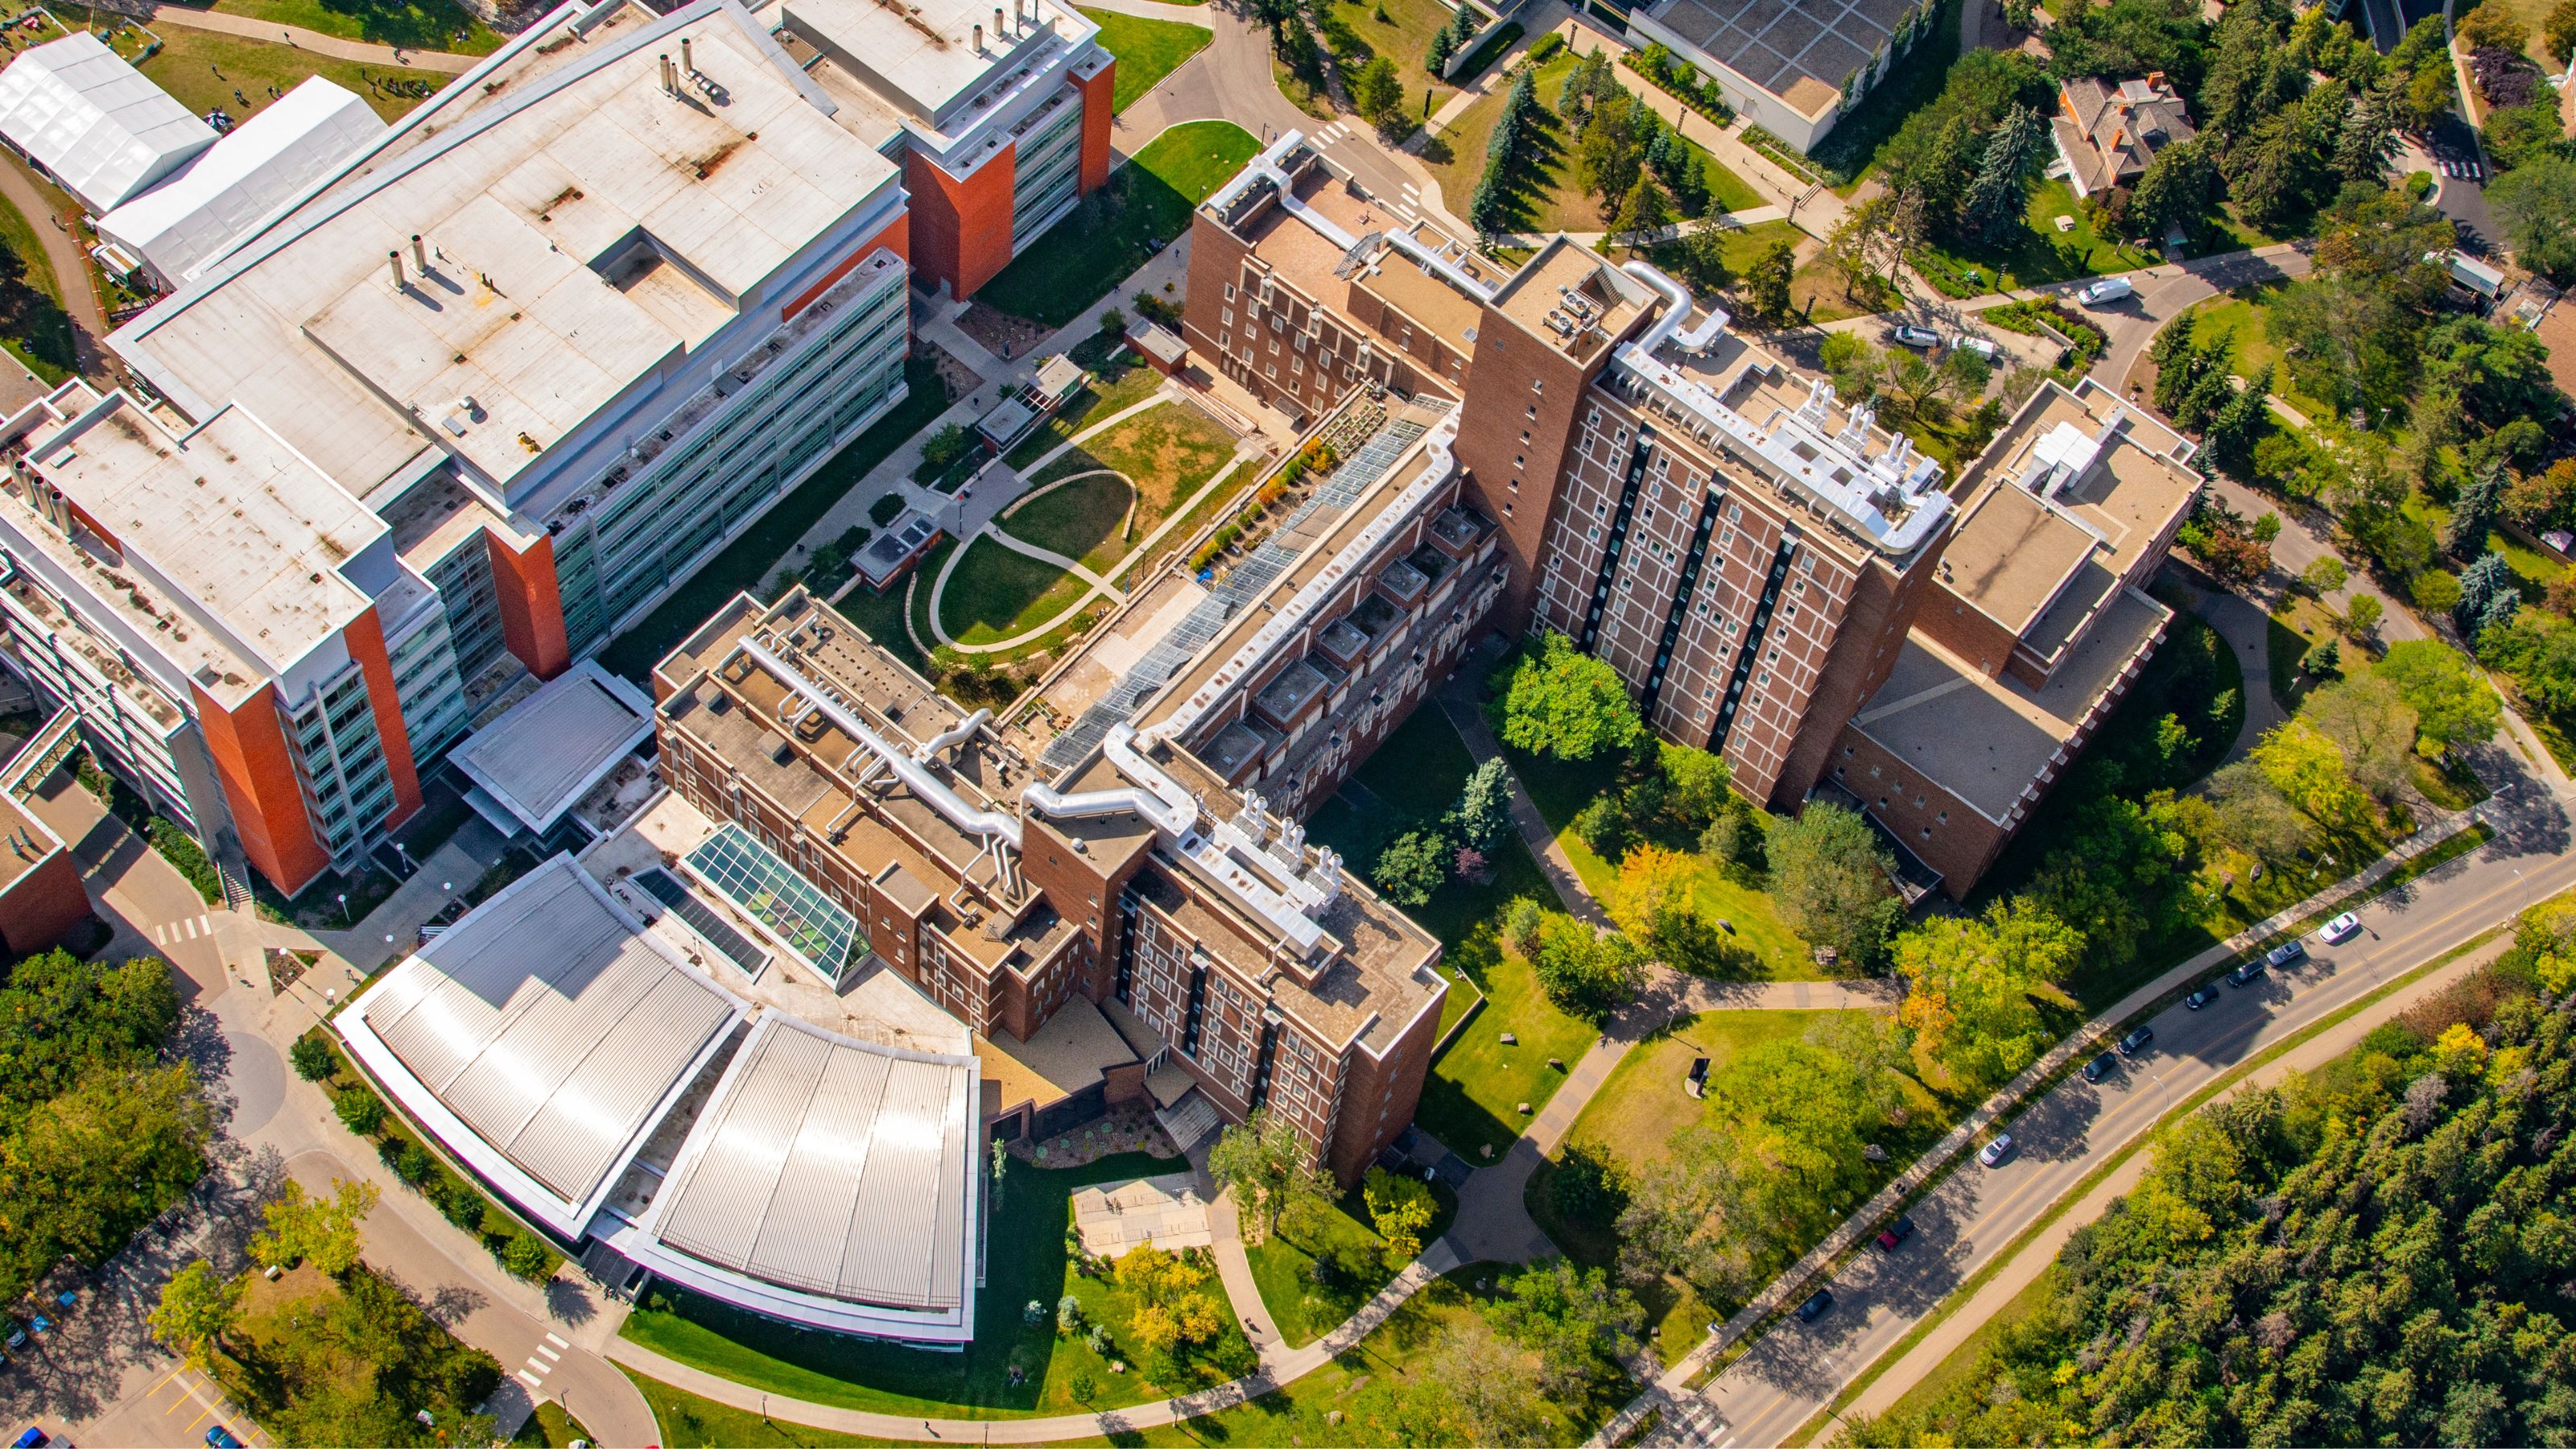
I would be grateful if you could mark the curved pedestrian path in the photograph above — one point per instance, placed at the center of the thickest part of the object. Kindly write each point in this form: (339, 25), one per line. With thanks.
(1098, 584)
(1277, 1371)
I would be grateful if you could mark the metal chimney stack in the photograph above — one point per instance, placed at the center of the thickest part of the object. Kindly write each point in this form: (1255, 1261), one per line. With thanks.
(979, 40)
(997, 21)
(670, 86)
(396, 258)
(419, 254)
(688, 66)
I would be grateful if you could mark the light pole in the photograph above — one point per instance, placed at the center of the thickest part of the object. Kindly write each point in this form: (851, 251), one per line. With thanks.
(345, 922)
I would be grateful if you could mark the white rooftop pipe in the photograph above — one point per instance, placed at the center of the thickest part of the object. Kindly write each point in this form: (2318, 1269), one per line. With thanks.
(1668, 326)
(1162, 800)
(932, 748)
(932, 790)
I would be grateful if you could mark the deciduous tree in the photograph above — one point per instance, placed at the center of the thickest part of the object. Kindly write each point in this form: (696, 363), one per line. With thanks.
(2454, 705)
(1831, 878)
(1567, 705)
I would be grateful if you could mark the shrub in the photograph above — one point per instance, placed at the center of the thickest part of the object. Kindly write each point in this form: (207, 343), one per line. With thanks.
(2436, 592)
(883, 511)
(360, 1112)
(414, 1165)
(312, 1057)
(186, 856)
(528, 1258)
(461, 1204)
(1603, 825)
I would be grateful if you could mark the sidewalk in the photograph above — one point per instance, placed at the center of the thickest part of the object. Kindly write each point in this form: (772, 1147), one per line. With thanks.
(438, 61)
(894, 475)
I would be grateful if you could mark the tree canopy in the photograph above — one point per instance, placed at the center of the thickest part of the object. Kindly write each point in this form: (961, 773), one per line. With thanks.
(1830, 876)
(1568, 705)
(2376, 1253)
(97, 1134)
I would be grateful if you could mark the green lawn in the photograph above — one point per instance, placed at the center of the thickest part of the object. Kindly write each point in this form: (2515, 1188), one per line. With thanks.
(549, 1428)
(1283, 1264)
(1082, 519)
(405, 24)
(1168, 452)
(40, 336)
(690, 1422)
(1362, 1389)
(1365, 1387)
(1146, 50)
(881, 615)
(202, 68)
(1633, 1118)
(1400, 30)
(1118, 381)
(995, 593)
(1472, 1097)
(1144, 206)
(1025, 1259)
(1545, 196)
(2038, 253)
(746, 561)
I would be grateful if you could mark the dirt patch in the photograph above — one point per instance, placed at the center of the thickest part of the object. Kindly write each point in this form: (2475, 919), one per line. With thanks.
(1168, 451)
(1000, 333)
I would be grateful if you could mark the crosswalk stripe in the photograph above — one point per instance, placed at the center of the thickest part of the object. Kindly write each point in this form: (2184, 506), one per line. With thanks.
(558, 1342)
(531, 1380)
(550, 1352)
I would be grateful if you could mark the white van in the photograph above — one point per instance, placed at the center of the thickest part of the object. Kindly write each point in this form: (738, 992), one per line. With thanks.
(2106, 291)
(1982, 346)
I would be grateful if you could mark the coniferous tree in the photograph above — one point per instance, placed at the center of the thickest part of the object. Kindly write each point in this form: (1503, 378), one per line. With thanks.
(1993, 207)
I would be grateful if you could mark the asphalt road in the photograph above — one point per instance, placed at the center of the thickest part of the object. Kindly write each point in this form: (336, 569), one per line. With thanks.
(1797, 1368)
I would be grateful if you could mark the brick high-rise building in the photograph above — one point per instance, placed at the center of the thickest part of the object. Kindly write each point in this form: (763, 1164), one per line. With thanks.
(1746, 552)
(1751, 554)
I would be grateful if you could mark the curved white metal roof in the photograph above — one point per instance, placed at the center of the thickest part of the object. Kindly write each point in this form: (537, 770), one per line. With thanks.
(832, 1166)
(551, 1027)
(95, 122)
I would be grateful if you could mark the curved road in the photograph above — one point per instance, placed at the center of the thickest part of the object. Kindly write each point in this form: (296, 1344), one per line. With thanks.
(1796, 1369)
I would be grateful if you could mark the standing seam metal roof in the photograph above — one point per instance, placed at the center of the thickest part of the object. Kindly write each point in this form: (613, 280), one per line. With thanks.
(550, 1024)
(832, 1166)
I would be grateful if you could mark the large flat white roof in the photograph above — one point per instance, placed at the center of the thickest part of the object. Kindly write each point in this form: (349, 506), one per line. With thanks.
(229, 520)
(529, 181)
(832, 1166)
(539, 758)
(103, 129)
(542, 1037)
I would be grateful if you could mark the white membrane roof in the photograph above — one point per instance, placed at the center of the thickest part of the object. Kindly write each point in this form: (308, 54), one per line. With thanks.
(261, 165)
(95, 122)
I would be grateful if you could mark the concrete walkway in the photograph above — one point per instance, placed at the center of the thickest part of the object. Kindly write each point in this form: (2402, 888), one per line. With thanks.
(438, 61)
(2247, 631)
(1291, 1365)
(64, 254)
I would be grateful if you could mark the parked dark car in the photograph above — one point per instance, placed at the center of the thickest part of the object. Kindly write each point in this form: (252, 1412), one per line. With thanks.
(1815, 1306)
(2245, 972)
(220, 1437)
(2100, 1067)
(2201, 997)
(1897, 1232)
(2136, 1041)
